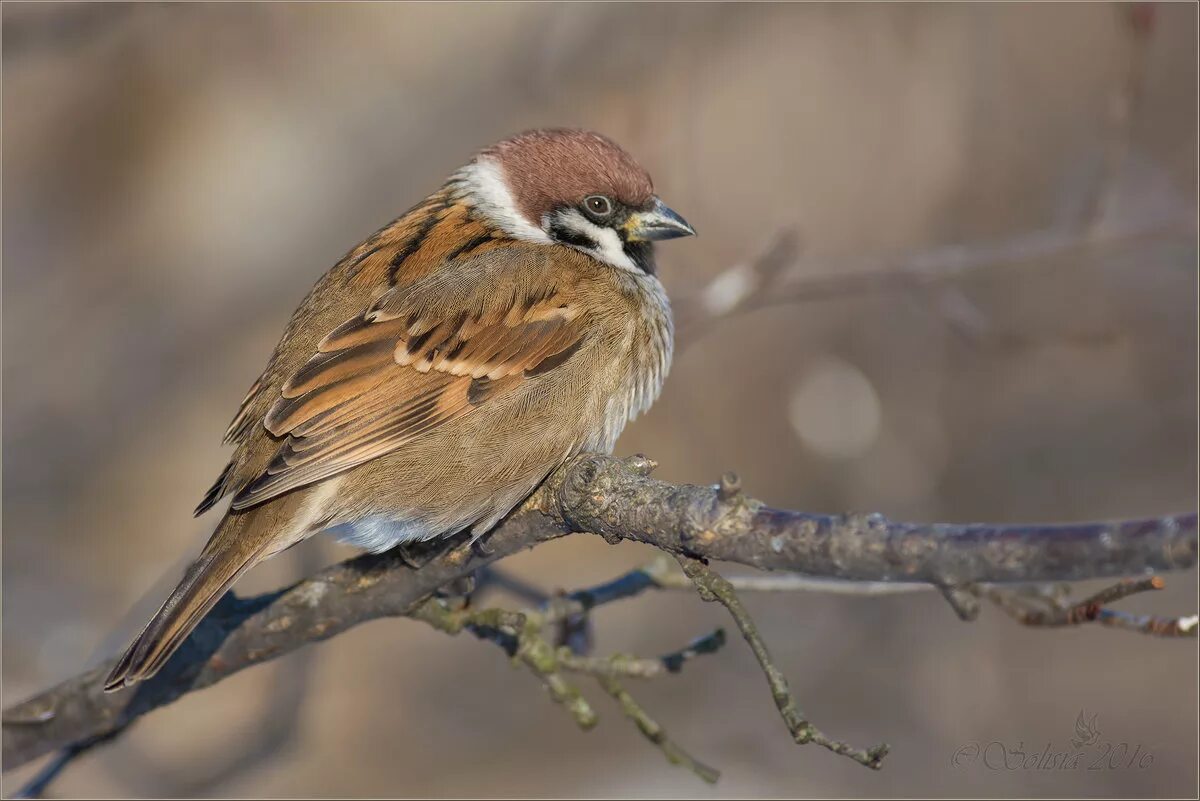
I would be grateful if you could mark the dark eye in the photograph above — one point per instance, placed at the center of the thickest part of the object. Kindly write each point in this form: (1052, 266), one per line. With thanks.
(598, 205)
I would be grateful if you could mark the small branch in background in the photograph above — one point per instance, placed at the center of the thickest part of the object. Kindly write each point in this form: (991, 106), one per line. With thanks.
(655, 733)
(635, 582)
(494, 577)
(661, 576)
(522, 635)
(740, 288)
(763, 283)
(708, 644)
(1054, 610)
(41, 781)
(624, 666)
(1150, 624)
(1031, 605)
(574, 632)
(961, 601)
(712, 587)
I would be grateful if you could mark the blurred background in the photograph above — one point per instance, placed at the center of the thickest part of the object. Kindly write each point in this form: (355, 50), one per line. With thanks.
(979, 304)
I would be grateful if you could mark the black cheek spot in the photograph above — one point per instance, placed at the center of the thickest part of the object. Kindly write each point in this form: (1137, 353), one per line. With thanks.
(566, 236)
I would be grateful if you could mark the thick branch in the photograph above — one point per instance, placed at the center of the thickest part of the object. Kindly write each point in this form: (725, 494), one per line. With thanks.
(618, 501)
(595, 494)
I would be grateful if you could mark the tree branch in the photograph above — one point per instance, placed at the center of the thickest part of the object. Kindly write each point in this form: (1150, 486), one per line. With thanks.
(1046, 605)
(522, 636)
(713, 587)
(654, 733)
(616, 500)
(599, 495)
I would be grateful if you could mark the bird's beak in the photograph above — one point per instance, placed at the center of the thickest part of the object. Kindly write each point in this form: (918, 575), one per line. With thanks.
(657, 222)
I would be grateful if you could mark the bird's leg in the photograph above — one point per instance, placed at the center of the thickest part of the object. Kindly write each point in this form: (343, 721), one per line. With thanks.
(409, 558)
(418, 553)
(458, 591)
(480, 546)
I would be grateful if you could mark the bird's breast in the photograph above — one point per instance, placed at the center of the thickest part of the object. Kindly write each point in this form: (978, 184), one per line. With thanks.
(643, 346)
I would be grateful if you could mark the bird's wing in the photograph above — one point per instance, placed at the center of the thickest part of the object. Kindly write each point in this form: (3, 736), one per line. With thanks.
(419, 357)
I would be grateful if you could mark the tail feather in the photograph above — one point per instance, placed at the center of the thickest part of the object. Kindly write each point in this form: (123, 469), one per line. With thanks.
(226, 557)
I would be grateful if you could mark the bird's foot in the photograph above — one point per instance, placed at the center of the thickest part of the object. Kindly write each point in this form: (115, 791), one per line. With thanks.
(458, 592)
(481, 547)
(418, 554)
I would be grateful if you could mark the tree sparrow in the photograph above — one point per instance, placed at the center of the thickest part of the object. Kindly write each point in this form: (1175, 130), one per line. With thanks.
(444, 367)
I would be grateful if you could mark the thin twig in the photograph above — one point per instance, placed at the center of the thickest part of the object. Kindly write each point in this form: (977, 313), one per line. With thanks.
(1150, 624)
(961, 601)
(712, 587)
(623, 665)
(521, 634)
(663, 576)
(1014, 602)
(526, 593)
(1053, 612)
(628, 585)
(763, 283)
(708, 644)
(653, 732)
(41, 781)
(531, 650)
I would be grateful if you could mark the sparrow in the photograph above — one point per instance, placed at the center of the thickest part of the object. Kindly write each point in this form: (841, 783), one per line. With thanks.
(444, 367)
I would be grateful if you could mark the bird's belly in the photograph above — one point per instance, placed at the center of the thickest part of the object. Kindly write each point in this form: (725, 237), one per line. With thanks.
(378, 533)
(463, 474)
(470, 472)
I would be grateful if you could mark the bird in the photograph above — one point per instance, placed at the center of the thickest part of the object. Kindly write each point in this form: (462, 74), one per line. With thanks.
(444, 367)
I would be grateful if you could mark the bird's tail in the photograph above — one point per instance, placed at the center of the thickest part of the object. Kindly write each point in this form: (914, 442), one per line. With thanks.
(231, 551)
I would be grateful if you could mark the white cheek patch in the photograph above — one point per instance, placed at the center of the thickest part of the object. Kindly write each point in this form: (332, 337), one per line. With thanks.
(484, 183)
(609, 247)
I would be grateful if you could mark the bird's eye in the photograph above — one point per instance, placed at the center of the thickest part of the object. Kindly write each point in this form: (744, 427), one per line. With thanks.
(598, 205)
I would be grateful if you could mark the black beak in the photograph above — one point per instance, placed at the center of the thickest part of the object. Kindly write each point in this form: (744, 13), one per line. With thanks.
(656, 223)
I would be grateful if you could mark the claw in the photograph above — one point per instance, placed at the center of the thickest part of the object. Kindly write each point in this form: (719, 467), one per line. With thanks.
(481, 548)
(415, 554)
(459, 590)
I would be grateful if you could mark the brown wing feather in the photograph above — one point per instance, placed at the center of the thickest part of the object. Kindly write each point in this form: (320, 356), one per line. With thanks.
(420, 357)
(243, 419)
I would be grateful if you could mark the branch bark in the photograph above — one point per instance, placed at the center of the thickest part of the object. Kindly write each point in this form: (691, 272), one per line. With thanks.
(617, 500)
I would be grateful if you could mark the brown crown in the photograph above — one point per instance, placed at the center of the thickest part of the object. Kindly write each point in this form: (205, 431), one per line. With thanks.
(548, 168)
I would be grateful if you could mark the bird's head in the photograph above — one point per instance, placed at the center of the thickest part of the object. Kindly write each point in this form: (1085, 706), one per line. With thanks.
(574, 188)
